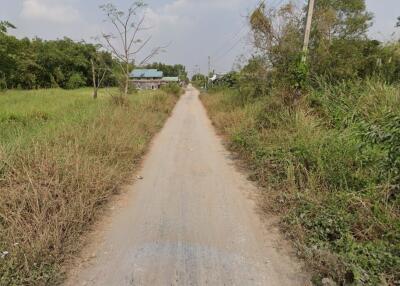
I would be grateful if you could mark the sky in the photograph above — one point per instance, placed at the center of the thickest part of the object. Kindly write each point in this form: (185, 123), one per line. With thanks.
(192, 30)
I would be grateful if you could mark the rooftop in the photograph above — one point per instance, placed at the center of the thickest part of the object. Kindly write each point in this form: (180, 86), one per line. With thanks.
(146, 73)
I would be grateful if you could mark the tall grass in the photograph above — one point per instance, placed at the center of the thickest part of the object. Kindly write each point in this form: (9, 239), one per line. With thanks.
(58, 169)
(329, 164)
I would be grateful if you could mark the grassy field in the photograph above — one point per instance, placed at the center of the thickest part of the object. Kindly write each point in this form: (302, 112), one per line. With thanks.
(329, 164)
(62, 155)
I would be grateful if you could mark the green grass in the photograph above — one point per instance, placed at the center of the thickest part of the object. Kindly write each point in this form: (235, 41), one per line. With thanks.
(25, 113)
(330, 165)
(62, 156)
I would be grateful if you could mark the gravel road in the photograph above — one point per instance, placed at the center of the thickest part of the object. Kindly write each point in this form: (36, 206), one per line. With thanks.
(190, 219)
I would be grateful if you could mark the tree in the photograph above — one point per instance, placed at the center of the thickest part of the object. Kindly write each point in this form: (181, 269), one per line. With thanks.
(277, 36)
(398, 22)
(37, 63)
(127, 25)
(339, 46)
(170, 70)
(339, 38)
(4, 26)
(99, 71)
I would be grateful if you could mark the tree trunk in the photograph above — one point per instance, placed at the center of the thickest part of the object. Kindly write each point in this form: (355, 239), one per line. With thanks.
(126, 85)
(94, 80)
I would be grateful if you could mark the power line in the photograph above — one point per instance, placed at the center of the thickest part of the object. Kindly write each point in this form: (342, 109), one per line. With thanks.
(233, 36)
(236, 34)
(221, 53)
(229, 50)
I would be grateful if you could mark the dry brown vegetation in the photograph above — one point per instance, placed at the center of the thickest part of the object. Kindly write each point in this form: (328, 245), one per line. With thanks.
(328, 166)
(53, 187)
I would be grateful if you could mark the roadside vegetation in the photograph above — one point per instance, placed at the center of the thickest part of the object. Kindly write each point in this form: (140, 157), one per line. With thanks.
(62, 156)
(36, 63)
(322, 137)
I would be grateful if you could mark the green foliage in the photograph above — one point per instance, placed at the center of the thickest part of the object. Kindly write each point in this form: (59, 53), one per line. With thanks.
(339, 47)
(76, 152)
(199, 80)
(323, 137)
(385, 134)
(4, 26)
(32, 64)
(3, 83)
(75, 81)
(172, 88)
(170, 70)
(229, 80)
(254, 79)
(344, 19)
(330, 165)
(298, 73)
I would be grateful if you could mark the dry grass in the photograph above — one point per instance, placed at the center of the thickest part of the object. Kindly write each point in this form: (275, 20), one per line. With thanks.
(326, 171)
(53, 187)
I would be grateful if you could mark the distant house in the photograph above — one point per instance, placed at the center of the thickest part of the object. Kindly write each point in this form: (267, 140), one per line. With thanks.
(150, 79)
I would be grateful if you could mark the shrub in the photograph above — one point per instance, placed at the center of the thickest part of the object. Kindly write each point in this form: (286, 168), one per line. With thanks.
(75, 81)
(330, 166)
(172, 88)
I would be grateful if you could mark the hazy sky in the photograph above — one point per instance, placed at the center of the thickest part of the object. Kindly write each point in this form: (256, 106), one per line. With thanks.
(194, 29)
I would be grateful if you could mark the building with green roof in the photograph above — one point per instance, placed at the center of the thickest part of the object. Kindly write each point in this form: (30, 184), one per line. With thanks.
(150, 79)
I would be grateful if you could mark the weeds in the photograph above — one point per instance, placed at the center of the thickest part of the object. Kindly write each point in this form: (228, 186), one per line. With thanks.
(54, 183)
(172, 88)
(329, 165)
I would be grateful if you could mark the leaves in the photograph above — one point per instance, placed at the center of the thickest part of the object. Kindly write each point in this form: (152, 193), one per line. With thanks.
(5, 25)
(36, 63)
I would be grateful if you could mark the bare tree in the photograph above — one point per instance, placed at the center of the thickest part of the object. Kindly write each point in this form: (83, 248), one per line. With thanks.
(99, 71)
(126, 44)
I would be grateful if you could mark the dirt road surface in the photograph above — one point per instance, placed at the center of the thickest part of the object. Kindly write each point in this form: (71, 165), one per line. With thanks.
(190, 220)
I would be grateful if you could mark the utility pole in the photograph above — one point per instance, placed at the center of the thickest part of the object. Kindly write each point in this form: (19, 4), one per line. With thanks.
(307, 32)
(209, 65)
(208, 72)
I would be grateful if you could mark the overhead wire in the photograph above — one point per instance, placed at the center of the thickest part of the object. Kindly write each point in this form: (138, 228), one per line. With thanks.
(238, 37)
(222, 53)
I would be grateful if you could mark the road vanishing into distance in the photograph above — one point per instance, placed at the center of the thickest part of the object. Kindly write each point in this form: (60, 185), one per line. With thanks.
(191, 219)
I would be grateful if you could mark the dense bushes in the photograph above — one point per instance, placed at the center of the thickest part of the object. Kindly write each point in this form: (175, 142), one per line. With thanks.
(321, 133)
(329, 163)
(75, 81)
(339, 49)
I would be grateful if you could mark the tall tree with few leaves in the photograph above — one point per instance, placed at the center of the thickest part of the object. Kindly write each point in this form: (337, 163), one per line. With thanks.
(339, 34)
(125, 43)
(5, 25)
(100, 68)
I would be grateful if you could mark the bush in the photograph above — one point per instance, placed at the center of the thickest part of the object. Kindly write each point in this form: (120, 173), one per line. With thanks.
(75, 81)
(330, 166)
(172, 88)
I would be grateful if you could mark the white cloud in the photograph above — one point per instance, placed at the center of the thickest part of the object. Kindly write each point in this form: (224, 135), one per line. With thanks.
(46, 10)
